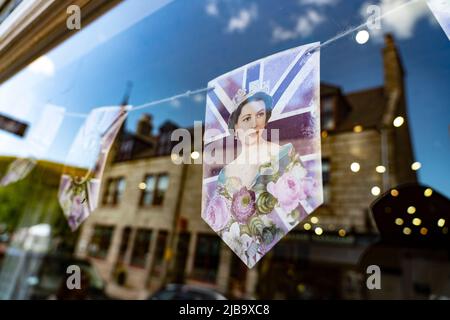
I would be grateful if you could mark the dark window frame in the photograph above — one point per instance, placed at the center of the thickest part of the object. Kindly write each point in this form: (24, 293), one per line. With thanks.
(124, 243)
(144, 244)
(162, 239)
(111, 194)
(206, 270)
(157, 199)
(104, 243)
(326, 115)
(326, 180)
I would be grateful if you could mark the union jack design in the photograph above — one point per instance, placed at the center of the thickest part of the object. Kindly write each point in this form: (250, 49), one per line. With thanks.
(292, 80)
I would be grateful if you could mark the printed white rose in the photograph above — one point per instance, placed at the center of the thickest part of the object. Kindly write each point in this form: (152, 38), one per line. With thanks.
(298, 172)
(238, 242)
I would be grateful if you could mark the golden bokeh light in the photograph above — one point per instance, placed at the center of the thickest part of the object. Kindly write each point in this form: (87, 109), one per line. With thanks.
(355, 167)
(416, 166)
(142, 186)
(380, 169)
(411, 210)
(318, 231)
(394, 192)
(375, 191)
(398, 121)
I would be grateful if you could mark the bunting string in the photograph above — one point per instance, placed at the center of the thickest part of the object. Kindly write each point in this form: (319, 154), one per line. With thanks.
(190, 93)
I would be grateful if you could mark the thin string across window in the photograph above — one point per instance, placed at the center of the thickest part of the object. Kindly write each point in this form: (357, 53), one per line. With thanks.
(190, 93)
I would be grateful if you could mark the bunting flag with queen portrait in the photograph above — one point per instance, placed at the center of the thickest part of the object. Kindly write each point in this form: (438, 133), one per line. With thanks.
(262, 170)
(79, 187)
(38, 141)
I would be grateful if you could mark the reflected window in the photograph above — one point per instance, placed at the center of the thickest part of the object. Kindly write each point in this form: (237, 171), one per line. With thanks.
(148, 194)
(207, 254)
(100, 241)
(165, 144)
(161, 189)
(155, 189)
(327, 114)
(115, 188)
(141, 248)
(159, 253)
(119, 190)
(326, 180)
(124, 243)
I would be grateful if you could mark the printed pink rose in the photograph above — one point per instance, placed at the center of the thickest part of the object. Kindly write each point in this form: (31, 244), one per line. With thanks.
(76, 212)
(243, 205)
(309, 186)
(288, 191)
(217, 213)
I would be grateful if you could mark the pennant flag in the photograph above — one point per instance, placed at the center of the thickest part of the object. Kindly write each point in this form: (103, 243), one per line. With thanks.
(262, 172)
(18, 170)
(80, 184)
(441, 10)
(37, 142)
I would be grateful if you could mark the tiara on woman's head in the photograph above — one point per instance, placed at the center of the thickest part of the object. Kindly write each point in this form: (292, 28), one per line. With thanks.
(253, 88)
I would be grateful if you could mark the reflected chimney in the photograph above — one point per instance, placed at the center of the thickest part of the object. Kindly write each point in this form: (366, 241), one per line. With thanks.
(145, 125)
(393, 68)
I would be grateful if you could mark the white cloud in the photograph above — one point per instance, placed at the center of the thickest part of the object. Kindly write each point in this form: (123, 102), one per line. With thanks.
(175, 103)
(199, 98)
(319, 3)
(401, 22)
(43, 65)
(241, 21)
(282, 34)
(212, 9)
(304, 27)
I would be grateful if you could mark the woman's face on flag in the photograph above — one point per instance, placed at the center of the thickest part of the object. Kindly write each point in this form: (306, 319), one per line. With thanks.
(251, 122)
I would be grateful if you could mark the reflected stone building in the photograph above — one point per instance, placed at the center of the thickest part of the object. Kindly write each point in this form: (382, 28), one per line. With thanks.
(149, 230)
